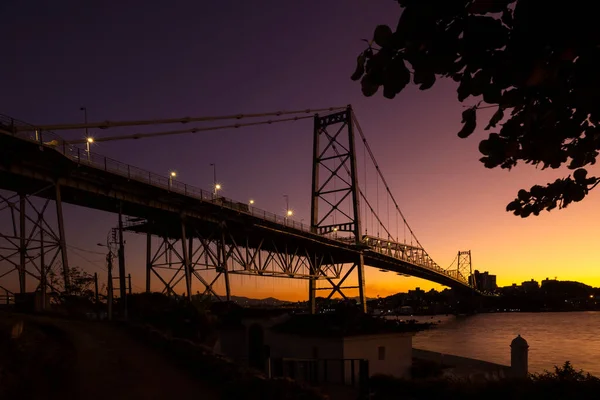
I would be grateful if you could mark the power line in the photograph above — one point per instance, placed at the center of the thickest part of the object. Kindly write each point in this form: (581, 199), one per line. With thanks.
(86, 251)
(184, 120)
(93, 263)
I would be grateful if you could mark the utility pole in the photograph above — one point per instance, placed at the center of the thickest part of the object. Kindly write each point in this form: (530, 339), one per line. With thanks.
(96, 286)
(122, 277)
(109, 286)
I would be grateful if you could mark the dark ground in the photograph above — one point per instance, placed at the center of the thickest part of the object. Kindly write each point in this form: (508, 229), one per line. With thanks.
(69, 359)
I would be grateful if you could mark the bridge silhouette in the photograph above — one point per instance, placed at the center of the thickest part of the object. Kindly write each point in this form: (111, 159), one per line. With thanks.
(201, 230)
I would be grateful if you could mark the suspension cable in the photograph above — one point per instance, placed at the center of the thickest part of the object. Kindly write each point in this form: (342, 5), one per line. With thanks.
(191, 130)
(373, 213)
(184, 120)
(388, 210)
(365, 182)
(334, 147)
(366, 144)
(377, 180)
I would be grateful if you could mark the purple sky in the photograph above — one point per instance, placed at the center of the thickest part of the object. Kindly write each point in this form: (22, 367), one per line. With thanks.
(147, 60)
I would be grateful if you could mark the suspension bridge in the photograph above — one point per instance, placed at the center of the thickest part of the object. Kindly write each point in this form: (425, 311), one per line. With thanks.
(191, 231)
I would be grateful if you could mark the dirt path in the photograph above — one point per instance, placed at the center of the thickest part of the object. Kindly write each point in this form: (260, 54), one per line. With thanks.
(110, 364)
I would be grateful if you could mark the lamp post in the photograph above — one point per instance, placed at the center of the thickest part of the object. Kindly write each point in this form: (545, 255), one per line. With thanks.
(172, 175)
(215, 179)
(88, 139)
(288, 212)
(88, 142)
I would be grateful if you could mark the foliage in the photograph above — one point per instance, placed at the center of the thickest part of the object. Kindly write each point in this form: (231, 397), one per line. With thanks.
(566, 373)
(534, 62)
(176, 317)
(81, 283)
(564, 383)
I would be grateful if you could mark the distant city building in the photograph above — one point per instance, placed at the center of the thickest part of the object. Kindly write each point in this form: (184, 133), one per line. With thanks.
(483, 281)
(530, 286)
(549, 283)
(416, 294)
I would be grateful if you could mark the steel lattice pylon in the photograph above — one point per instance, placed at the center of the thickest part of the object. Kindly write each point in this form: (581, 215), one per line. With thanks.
(31, 244)
(197, 257)
(334, 163)
(464, 267)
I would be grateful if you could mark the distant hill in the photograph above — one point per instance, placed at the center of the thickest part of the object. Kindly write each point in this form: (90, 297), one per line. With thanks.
(271, 301)
(246, 301)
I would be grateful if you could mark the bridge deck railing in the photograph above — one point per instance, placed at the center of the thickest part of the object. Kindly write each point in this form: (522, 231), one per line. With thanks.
(410, 254)
(82, 156)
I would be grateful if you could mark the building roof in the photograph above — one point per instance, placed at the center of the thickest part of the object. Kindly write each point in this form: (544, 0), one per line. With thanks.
(340, 325)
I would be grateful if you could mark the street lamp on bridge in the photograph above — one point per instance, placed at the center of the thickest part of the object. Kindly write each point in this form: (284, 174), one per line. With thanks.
(288, 212)
(172, 175)
(216, 186)
(88, 140)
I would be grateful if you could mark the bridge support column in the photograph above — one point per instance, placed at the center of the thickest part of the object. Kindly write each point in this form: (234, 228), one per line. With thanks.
(62, 240)
(185, 247)
(148, 260)
(30, 245)
(312, 295)
(161, 260)
(43, 283)
(360, 272)
(223, 265)
(22, 245)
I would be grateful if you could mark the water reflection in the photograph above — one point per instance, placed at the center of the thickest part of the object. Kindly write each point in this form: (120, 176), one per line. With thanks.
(553, 338)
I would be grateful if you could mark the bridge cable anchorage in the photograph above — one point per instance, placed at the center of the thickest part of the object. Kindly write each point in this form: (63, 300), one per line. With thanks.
(184, 120)
(182, 131)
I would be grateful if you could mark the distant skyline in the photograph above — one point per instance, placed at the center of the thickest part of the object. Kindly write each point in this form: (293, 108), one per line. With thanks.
(140, 60)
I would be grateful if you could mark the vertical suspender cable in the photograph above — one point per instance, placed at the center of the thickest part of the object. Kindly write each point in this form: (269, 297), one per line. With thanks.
(383, 179)
(365, 185)
(388, 214)
(377, 206)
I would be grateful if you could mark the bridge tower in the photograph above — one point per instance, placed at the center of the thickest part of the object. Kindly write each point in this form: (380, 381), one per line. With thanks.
(464, 267)
(335, 199)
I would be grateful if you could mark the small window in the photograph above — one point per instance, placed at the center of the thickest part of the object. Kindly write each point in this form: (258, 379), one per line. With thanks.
(381, 351)
(315, 352)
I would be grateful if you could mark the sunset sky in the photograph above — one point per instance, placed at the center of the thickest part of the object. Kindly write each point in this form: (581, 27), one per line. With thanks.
(161, 59)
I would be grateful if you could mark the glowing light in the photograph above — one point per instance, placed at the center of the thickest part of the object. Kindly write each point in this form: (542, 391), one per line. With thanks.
(90, 139)
(251, 201)
(335, 229)
(173, 174)
(290, 213)
(218, 186)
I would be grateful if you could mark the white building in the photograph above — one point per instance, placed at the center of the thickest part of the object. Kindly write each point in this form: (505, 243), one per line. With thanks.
(294, 346)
